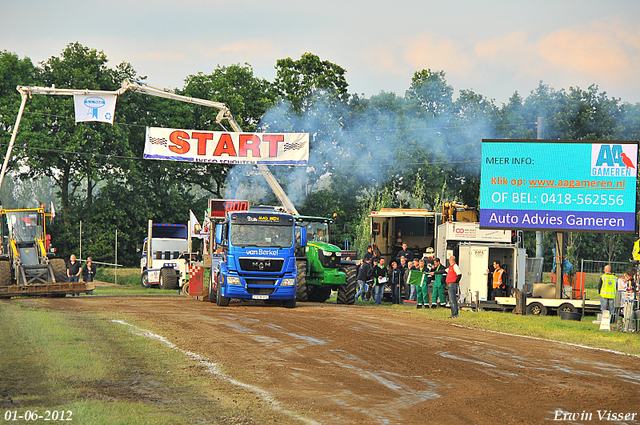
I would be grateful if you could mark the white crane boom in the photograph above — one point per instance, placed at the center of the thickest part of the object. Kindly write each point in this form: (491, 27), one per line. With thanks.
(224, 113)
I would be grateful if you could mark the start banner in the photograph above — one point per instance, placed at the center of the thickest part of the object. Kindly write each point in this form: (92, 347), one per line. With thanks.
(219, 147)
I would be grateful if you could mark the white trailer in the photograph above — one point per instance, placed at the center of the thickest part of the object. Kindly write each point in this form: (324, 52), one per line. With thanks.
(475, 258)
(476, 249)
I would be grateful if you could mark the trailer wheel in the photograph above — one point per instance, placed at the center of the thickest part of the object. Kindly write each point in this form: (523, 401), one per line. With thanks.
(168, 279)
(5, 273)
(289, 303)
(347, 292)
(569, 308)
(59, 269)
(536, 309)
(220, 300)
(302, 293)
(144, 279)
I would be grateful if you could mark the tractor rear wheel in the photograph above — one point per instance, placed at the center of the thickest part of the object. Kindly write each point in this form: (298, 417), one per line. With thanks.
(59, 269)
(302, 294)
(347, 292)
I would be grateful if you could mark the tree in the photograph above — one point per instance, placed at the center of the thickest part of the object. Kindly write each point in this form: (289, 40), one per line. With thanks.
(60, 149)
(297, 81)
(13, 72)
(430, 92)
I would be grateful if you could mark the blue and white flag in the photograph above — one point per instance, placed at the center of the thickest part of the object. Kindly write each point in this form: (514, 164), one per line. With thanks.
(95, 107)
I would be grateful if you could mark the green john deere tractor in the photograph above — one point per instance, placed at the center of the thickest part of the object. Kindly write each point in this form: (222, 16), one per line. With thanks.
(321, 268)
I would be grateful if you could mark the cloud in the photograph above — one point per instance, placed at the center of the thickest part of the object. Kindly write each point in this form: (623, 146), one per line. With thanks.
(384, 59)
(496, 48)
(598, 50)
(427, 51)
(602, 52)
(250, 48)
(165, 56)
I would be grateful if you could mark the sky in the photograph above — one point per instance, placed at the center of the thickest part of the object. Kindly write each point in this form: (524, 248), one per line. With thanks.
(494, 48)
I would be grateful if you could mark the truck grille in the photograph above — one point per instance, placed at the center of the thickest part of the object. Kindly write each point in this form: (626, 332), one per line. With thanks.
(261, 264)
(269, 282)
(260, 291)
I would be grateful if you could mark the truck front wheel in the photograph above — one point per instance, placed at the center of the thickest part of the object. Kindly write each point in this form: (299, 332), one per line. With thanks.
(290, 303)
(144, 279)
(168, 279)
(220, 300)
(302, 293)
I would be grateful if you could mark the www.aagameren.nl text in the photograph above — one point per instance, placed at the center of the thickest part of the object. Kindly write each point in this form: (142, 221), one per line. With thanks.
(560, 184)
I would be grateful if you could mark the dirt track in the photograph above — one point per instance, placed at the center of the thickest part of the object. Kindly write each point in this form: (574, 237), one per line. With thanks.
(336, 364)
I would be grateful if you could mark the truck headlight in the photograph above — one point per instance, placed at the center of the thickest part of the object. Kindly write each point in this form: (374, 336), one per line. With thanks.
(288, 282)
(232, 280)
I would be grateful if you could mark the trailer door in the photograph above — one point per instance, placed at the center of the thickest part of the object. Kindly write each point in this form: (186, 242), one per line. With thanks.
(474, 260)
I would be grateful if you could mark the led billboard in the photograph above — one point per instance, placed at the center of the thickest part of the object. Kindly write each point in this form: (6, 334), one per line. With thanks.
(559, 185)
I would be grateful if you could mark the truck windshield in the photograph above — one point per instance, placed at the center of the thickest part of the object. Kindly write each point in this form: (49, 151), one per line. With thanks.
(261, 235)
(23, 225)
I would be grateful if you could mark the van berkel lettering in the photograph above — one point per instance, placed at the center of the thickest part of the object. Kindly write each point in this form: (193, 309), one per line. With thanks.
(262, 251)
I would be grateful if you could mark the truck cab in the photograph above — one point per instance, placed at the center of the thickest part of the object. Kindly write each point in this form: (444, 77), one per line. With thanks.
(164, 256)
(258, 260)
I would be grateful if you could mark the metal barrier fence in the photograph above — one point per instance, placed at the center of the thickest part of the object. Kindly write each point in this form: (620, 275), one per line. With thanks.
(533, 273)
(597, 267)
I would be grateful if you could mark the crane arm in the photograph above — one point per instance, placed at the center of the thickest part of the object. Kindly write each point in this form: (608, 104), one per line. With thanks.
(127, 84)
(224, 113)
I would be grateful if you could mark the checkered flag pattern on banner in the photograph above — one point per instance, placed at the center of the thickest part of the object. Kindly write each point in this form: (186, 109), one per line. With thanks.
(294, 146)
(158, 141)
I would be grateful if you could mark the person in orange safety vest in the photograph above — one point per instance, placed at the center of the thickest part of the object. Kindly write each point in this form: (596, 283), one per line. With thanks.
(498, 281)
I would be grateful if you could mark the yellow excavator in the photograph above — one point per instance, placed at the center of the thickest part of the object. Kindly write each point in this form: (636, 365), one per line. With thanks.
(25, 267)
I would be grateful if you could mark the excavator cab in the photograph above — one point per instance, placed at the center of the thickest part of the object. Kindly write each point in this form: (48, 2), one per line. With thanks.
(23, 242)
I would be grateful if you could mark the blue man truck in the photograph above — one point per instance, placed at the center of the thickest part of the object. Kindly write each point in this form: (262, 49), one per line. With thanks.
(258, 257)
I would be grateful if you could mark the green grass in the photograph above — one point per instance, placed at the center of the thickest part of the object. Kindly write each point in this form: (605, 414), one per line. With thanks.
(129, 283)
(55, 360)
(132, 291)
(125, 276)
(544, 327)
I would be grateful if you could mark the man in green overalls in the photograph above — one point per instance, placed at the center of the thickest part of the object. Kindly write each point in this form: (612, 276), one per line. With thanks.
(423, 288)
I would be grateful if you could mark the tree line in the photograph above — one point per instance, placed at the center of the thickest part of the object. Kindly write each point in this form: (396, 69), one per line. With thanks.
(412, 150)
